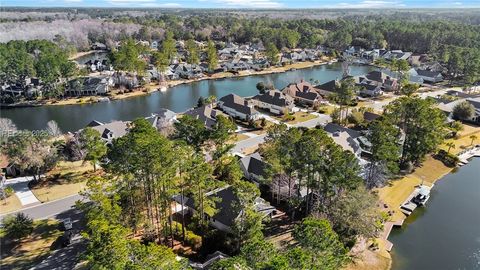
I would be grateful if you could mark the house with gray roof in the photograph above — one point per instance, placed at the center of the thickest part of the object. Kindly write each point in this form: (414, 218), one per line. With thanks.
(226, 204)
(207, 114)
(238, 107)
(110, 131)
(274, 101)
(89, 86)
(253, 167)
(427, 76)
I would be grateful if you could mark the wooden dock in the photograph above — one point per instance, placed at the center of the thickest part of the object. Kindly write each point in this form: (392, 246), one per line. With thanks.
(387, 229)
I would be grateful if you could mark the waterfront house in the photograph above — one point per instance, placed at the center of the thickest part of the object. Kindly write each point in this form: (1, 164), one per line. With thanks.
(303, 93)
(253, 167)
(187, 71)
(226, 204)
(163, 120)
(274, 101)
(207, 114)
(238, 107)
(110, 131)
(89, 86)
(328, 88)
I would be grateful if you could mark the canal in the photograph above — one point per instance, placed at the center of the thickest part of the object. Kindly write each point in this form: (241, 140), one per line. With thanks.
(446, 234)
(178, 99)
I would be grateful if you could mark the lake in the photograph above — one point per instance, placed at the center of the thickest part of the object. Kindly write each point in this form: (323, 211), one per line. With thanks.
(446, 233)
(178, 99)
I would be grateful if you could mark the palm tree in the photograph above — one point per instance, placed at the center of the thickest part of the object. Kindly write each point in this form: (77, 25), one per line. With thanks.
(450, 146)
(473, 138)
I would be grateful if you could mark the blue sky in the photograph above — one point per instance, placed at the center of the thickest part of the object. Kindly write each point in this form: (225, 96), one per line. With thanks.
(248, 3)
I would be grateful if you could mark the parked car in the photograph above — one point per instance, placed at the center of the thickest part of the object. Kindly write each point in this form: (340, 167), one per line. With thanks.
(67, 238)
(67, 224)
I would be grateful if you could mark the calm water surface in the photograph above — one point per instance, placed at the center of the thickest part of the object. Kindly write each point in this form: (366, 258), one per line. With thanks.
(446, 234)
(178, 99)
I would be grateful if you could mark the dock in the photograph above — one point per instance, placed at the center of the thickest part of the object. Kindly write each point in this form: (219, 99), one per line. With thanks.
(408, 206)
(387, 229)
(464, 156)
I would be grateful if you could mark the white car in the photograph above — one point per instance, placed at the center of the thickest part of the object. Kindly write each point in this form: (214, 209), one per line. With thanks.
(67, 224)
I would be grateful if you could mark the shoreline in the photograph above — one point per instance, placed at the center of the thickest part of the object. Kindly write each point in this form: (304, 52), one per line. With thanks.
(151, 88)
(398, 190)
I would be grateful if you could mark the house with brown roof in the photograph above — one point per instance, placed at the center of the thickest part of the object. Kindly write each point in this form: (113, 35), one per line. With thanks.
(303, 92)
(238, 107)
(274, 101)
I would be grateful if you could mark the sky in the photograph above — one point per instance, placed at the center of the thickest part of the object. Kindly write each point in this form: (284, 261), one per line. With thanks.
(247, 3)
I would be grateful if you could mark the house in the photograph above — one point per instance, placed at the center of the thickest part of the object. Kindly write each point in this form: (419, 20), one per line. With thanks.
(370, 90)
(207, 114)
(274, 101)
(99, 46)
(253, 167)
(162, 120)
(370, 116)
(328, 88)
(353, 51)
(449, 106)
(154, 44)
(187, 71)
(226, 204)
(345, 137)
(238, 107)
(303, 93)
(381, 79)
(427, 76)
(210, 260)
(110, 131)
(89, 86)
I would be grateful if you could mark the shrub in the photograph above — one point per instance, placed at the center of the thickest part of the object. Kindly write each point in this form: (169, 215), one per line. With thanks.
(449, 159)
(8, 191)
(17, 226)
(193, 240)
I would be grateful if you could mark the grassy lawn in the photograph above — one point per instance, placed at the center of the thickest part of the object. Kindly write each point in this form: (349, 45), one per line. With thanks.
(430, 171)
(264, 129)
(463, 141)
(31, 250)
(68, 178)
(10, 204)
(299, 117)
(238, 137)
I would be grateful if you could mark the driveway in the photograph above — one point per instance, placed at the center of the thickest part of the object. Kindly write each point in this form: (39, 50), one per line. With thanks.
(20, 186)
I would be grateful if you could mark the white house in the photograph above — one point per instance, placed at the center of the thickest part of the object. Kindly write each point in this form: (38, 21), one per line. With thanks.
(253, 167)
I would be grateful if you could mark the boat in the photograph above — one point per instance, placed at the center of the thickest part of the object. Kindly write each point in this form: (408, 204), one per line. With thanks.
(103, 99)
(422, 196)
(163, 89)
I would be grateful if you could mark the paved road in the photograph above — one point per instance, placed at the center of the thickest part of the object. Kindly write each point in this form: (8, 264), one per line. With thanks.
(49, 209)
(66, 257)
